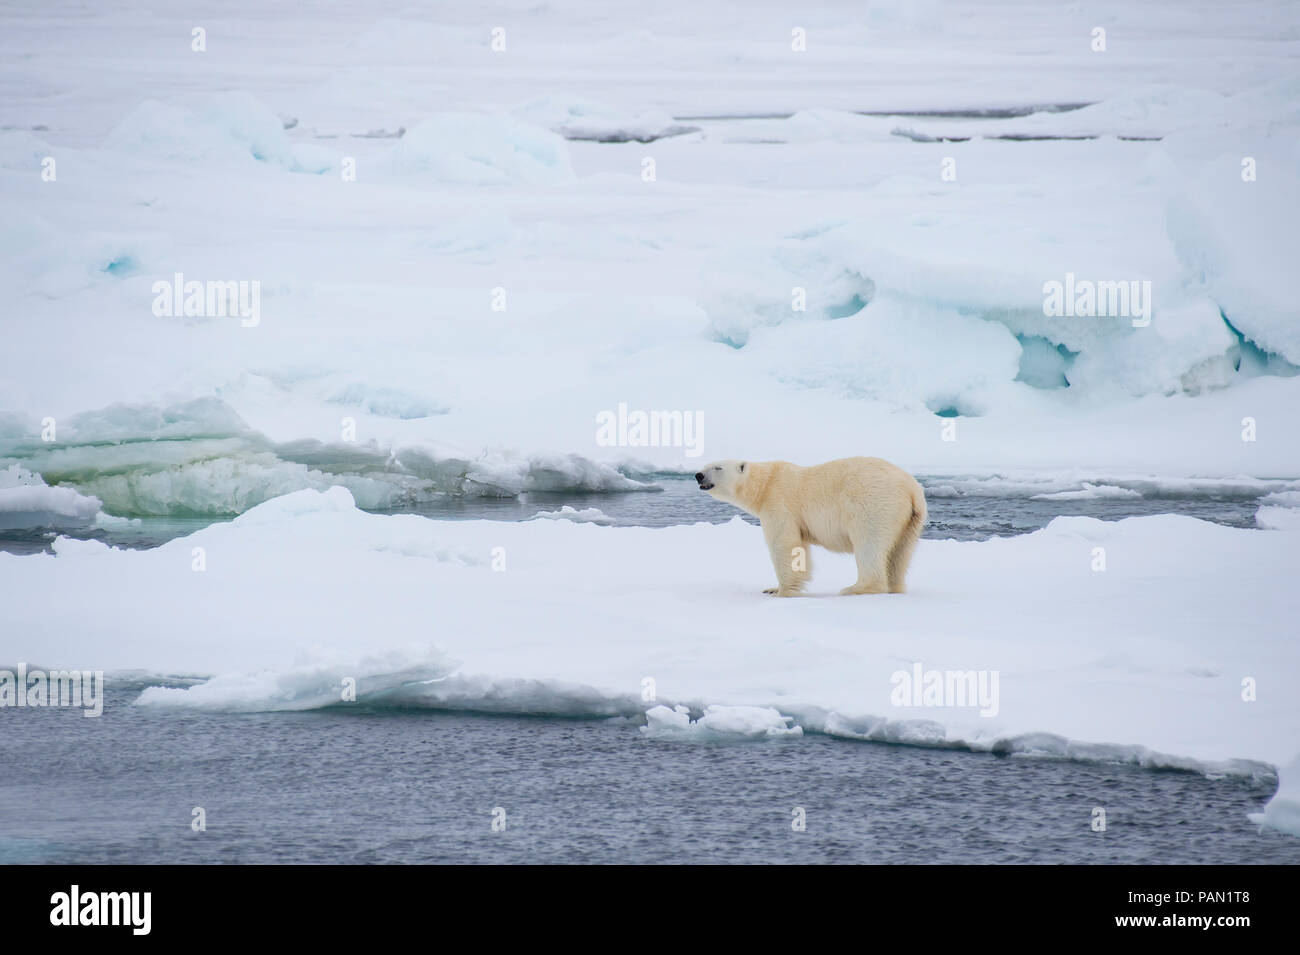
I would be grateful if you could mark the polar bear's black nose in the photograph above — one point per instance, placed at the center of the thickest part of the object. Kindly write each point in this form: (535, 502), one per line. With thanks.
(700, 477)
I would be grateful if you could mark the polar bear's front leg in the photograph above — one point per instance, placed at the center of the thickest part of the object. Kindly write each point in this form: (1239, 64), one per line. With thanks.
(789, 556)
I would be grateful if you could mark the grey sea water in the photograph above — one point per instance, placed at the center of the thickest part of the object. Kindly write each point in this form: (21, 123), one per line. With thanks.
(974, 510)
(361, 784)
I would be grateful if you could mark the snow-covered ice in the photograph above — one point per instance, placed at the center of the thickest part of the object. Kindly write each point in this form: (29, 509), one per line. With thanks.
(1283, 810)
(923, 294)
(1143, 662)
(718, 722)
(586, 515)
(27, 501)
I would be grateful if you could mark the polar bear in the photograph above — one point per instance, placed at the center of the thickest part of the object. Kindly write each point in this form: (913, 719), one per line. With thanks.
(866, 506)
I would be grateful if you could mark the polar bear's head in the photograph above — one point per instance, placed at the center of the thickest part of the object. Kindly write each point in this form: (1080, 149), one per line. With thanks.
(722, 479)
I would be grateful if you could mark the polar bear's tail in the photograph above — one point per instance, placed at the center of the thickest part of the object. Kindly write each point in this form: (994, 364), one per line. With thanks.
(901, 553)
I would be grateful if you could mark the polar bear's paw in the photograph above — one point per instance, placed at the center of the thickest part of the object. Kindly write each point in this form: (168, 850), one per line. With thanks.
(860, 589)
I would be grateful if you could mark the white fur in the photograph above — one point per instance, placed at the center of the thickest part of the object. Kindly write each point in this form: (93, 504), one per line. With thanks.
(864, 506)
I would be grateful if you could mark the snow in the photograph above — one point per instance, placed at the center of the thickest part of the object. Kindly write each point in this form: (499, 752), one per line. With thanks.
(1278, 518)
(19, 149)
(914, 304)
(1283, 810)
(923, 294)
(807, 279)
(586, 515)
(1129, 664)
(202, 459)
(718, 722)
(575, 117)
(308, 686)
(481, 150)
(1089, 492)
(26, 501)
(227, 126)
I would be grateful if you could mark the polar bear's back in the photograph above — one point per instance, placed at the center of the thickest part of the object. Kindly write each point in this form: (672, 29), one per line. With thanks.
(839, 499)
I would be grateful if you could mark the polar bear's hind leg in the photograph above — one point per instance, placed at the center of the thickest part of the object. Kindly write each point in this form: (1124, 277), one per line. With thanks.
(871, 557)
(901, 555)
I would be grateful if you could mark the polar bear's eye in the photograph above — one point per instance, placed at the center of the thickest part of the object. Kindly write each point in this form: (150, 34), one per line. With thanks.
(742, 467)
